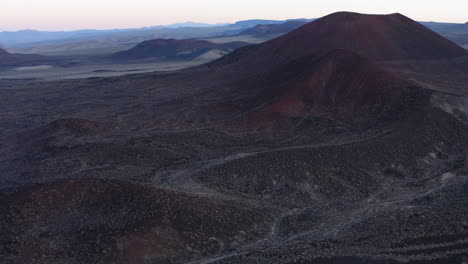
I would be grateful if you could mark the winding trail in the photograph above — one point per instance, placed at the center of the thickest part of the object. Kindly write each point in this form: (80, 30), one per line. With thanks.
(180, 176)
(341, 222)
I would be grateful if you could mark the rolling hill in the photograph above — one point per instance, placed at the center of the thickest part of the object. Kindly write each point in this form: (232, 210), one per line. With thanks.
(7, 58)
(133, 222)
(166, 49)
(15, 60)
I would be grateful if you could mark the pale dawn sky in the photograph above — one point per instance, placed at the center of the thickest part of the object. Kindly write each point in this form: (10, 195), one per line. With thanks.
(108, 14)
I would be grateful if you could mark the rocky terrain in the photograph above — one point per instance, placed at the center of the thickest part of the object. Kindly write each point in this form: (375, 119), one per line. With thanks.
(123, 221)
(343, 141)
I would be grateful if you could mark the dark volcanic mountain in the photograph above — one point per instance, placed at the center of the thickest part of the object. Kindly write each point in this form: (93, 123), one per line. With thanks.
(272, 29)
(379, 37)
(174, 49)
(303, 74)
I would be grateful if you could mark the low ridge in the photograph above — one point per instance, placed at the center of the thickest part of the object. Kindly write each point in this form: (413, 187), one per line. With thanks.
(174, 49)
(134, 223)
(6, 57)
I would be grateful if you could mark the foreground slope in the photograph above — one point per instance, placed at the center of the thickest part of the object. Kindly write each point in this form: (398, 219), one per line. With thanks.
(120, 222)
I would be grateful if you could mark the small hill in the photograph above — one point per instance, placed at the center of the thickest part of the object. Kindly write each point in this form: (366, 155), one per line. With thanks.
(112, 221)
(8, 59)
(272, 29)
(165, 49)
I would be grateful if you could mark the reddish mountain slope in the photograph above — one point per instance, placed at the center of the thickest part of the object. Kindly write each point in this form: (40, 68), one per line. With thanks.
(340, 85)
(331, 68)
(173, 49)
(379, 37)
(112, 221)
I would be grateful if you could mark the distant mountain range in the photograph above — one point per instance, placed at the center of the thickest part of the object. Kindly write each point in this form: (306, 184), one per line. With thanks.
(50, 43)
(27, 38)
(7, 58)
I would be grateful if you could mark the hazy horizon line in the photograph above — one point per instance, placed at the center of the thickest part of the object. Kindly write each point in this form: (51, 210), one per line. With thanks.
(157, 25)
(208, 24)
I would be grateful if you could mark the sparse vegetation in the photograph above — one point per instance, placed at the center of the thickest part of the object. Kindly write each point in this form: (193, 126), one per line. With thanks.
(297, 150)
